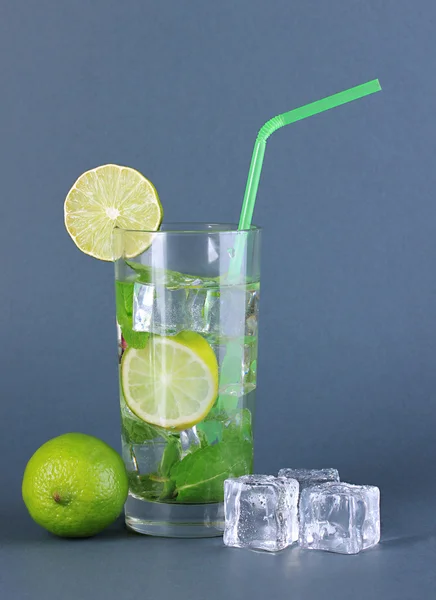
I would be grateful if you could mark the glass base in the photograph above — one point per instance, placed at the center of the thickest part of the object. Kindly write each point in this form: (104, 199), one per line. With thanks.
(174, 520)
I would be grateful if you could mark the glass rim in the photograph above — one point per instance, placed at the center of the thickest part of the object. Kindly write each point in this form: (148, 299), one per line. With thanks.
(192, 227)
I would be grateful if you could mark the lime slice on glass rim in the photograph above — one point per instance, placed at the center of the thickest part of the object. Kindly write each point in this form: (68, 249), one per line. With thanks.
(107, 197)
(172, 382)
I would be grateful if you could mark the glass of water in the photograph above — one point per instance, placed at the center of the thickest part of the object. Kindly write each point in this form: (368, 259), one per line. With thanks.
(187, 320)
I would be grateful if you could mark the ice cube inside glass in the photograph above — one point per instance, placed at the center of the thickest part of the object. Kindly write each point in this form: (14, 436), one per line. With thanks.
(260, 512)
(339, 517)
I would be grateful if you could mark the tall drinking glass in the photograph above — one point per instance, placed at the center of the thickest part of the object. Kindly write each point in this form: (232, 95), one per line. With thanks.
(187, 319)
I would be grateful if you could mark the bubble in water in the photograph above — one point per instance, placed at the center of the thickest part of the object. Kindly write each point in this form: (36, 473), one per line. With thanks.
(231, 252)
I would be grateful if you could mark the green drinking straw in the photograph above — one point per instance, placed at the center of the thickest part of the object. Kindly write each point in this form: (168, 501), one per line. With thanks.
(233, 353)
(286, 118)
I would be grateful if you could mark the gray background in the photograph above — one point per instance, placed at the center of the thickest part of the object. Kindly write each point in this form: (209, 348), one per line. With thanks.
(178, 90)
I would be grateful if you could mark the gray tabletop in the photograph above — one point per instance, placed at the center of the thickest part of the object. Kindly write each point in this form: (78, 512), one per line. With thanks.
(119, 564)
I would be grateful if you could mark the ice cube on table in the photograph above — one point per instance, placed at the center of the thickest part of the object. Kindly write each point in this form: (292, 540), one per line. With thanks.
(158, 309)
(339, 517)
(260, 512)
(308, 477)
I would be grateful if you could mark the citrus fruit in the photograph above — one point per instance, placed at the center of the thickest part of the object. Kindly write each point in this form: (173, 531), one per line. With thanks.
(172, 382)
(75, 485)
(107, 197)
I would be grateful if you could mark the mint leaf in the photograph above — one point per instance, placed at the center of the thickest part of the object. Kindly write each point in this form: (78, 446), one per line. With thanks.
(133, 339)
(124, 299)
(169, 491)
(200, 476)
(223, 425)
(148, 486)
(158, 486)
(203, 438)
(145, 273)
(124, 307)
(171, 455)
(239, 428)
(168, 278)
(135, 432)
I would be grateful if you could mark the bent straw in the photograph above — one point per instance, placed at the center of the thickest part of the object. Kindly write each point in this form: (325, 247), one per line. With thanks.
(286, 118)
(233, 352)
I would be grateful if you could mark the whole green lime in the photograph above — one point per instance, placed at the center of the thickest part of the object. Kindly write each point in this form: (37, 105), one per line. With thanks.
(75, 485)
